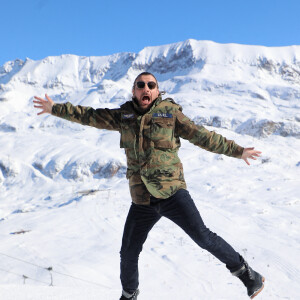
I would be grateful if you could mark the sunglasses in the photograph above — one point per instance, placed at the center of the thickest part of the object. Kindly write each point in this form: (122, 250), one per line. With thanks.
(141, 85)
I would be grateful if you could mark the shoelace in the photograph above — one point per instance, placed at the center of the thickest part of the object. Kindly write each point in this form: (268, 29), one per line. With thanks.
(132, 296)
(250, 274)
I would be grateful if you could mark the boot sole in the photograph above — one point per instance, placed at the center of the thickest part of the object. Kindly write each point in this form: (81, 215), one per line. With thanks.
(257, 292)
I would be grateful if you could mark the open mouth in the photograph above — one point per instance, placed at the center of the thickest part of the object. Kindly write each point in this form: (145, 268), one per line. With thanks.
(146, 99)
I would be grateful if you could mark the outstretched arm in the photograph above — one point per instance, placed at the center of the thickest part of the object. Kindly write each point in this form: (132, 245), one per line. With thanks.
(44, 104)
(250, 153)
(102, 118)
(211, 141)
(208, 140)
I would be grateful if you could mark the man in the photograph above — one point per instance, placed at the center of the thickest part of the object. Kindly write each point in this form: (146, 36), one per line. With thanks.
(150, 129)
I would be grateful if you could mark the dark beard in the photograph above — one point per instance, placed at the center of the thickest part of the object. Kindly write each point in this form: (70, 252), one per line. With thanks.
(137, 106)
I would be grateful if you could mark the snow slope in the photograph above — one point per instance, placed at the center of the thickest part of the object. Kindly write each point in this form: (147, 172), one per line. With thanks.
(64, 196)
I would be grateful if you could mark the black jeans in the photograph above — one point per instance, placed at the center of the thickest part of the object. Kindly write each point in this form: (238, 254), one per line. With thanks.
(180, 209)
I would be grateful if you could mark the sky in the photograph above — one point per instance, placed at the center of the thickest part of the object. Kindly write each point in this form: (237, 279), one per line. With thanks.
(40, 28)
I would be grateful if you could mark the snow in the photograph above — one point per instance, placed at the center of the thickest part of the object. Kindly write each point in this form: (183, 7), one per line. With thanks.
(64, 196)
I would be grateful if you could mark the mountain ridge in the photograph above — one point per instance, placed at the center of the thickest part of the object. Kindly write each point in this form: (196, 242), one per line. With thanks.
(192, 51)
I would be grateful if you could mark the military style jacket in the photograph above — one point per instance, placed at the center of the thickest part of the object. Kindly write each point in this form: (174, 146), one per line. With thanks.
(151, 141)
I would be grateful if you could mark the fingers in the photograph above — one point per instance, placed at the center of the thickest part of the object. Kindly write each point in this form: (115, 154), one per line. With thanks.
(37, 106)
(40, 99)
(38, 102)
(43, 100)
(251, 157)
(48, 98)
(250, 153)
(44, 104)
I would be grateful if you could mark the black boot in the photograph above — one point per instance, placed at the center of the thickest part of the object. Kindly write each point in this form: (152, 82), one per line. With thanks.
(253, 281)
(127, 296)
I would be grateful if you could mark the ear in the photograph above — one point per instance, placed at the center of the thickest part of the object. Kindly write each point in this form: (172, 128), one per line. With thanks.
(158, 92)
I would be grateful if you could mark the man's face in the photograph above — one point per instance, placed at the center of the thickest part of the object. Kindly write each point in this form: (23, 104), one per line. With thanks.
(145, 95)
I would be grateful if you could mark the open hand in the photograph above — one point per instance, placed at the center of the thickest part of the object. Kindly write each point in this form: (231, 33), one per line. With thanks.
(250, 153)
(44, 104)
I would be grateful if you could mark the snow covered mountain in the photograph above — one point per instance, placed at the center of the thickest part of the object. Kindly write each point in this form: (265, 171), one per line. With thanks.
(63, 184)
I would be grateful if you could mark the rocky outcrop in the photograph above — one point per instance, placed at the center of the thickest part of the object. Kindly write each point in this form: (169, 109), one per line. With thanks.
(79, 170)
(253, 127)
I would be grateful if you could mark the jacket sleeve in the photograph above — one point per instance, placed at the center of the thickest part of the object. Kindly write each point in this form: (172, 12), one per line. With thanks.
(102, 118)
(208, 140)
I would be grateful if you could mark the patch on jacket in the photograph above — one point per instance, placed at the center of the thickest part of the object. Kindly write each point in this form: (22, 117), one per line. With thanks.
(162, 115)
(127, 116)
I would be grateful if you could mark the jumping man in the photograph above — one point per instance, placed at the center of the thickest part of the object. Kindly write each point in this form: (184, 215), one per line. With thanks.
(151, 128)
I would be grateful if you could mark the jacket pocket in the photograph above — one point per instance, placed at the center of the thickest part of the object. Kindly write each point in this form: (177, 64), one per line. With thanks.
(162, 132)
(128, 137)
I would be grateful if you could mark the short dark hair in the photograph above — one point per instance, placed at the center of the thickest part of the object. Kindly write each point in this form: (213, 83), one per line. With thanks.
(144, 73)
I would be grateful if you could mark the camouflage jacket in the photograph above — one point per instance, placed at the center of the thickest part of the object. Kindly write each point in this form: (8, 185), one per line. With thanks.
(151, 141)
